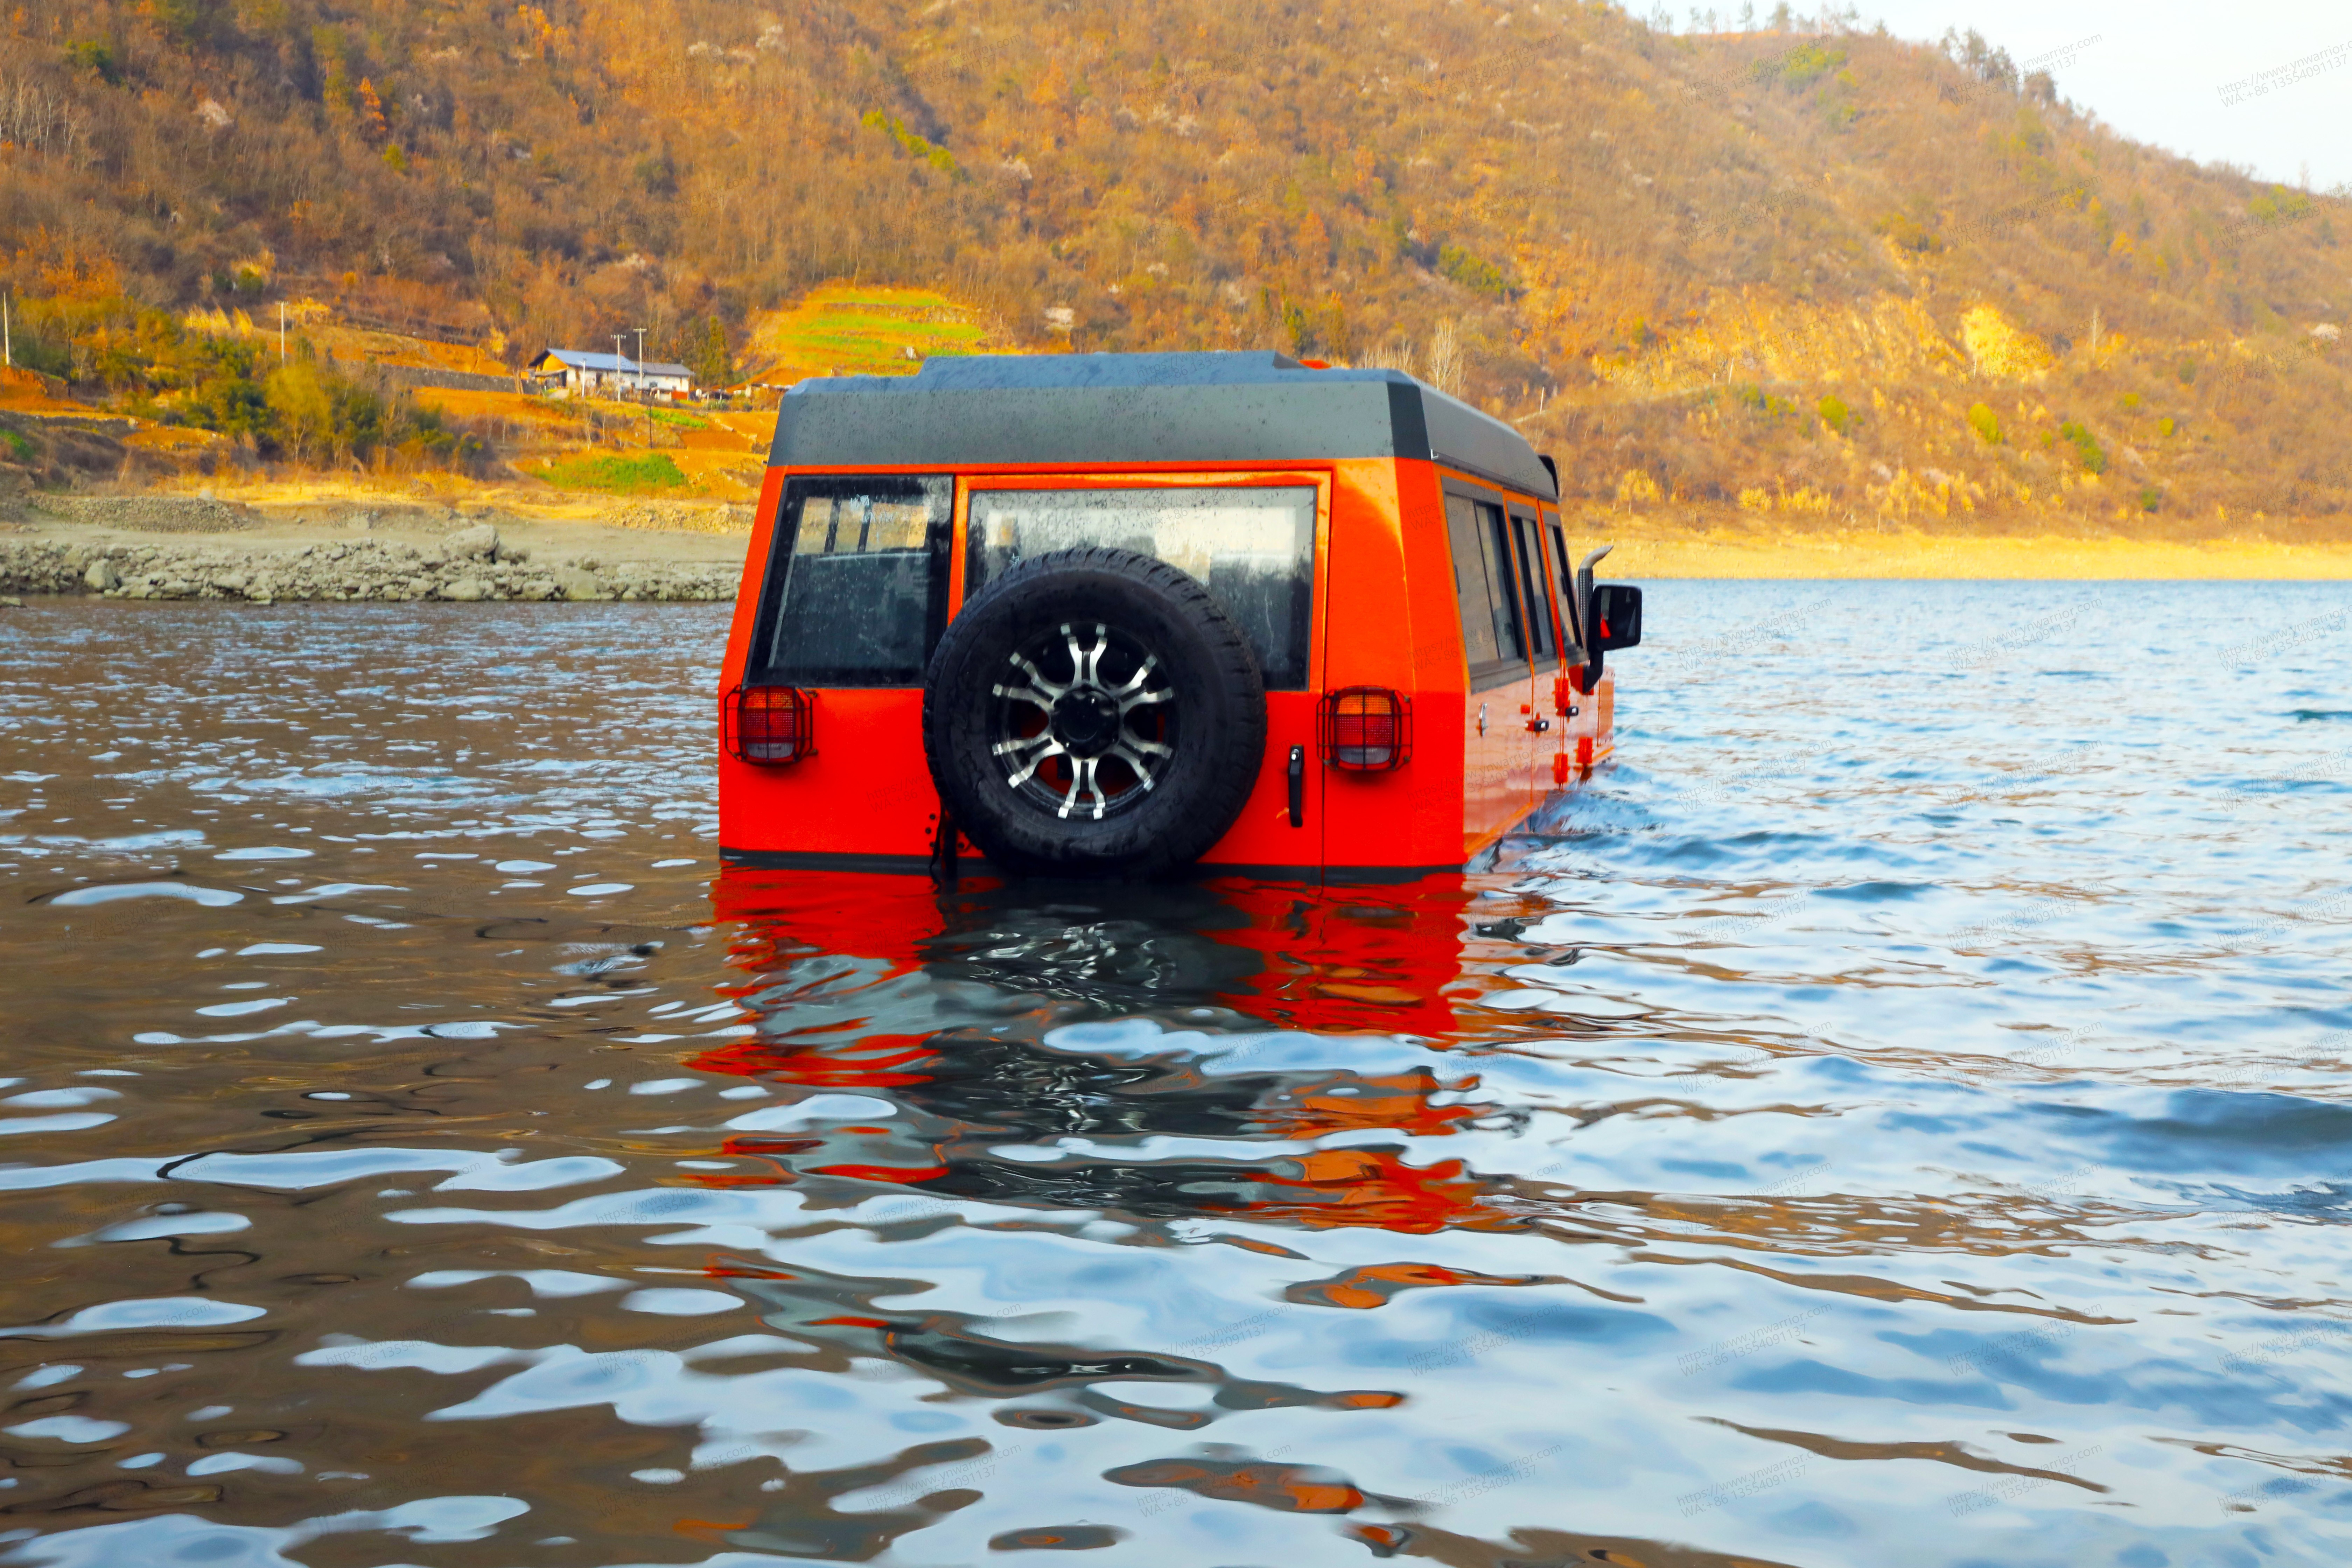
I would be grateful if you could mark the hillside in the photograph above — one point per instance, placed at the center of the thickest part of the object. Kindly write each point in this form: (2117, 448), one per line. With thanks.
(1794, 280)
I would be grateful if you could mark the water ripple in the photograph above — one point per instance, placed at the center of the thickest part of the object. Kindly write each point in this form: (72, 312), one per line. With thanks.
(1898, 1114)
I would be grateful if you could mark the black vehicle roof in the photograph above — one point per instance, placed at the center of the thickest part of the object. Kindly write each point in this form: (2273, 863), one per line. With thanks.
(1116, 409)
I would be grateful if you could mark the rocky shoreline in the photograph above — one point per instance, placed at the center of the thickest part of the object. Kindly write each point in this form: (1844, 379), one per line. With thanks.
(467, 565)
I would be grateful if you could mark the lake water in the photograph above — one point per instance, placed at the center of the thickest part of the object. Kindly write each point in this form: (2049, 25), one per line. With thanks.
(1902, 1118)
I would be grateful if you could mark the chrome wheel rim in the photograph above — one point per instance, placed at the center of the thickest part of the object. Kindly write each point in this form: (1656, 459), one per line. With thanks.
(1085, 721)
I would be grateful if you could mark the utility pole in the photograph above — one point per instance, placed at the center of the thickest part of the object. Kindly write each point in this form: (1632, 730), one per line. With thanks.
(281, 332)
(617, 355)
(641, 360)
(7, 334)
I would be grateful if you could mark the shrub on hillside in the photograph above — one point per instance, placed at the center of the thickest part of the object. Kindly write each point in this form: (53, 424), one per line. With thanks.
(1756, 400)
(2086, 447)
(95, 56)
(1835, 413)
(2278, 205)
(1801, 67)
(937, 157)
(1636, 485)
(1913, 228)
(1471, 270)
(1999, 347)
(1982, 421)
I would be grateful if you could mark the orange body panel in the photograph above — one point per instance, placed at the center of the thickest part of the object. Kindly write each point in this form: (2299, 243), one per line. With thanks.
(1385, 615)
(1390, 620)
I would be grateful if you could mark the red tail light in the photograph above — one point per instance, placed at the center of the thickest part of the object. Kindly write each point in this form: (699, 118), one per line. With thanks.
(772, 724)
(1365, 729)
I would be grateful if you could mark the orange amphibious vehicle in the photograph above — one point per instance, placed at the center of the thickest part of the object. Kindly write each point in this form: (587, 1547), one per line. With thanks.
(1118, 614)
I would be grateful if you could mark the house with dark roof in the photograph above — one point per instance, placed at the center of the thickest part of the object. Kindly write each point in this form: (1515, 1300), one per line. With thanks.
(576, 373)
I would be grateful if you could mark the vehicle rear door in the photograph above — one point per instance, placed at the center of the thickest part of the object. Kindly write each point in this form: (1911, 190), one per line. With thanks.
(1252, 541)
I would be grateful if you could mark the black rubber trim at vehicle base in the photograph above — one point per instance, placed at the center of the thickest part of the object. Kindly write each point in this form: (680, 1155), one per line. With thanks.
(916, 864)
(827, 861)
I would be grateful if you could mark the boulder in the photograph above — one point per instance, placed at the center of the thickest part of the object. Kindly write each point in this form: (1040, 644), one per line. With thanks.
(466, 590)
(102, 577)
(573, 582)
(479, 542)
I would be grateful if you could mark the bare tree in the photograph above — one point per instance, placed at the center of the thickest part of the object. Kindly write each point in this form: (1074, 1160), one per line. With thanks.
(1442, 368)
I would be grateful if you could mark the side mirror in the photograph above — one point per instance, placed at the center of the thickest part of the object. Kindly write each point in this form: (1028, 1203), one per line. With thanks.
(1608, 616)
(1616, 617)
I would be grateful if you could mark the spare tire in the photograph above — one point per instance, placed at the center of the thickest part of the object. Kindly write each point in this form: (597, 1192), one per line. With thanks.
(1092, 713)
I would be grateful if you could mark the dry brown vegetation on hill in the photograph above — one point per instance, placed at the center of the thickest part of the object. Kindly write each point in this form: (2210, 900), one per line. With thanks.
(1794, 277)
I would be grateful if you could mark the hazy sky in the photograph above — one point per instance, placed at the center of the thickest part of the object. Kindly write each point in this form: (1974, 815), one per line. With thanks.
(2158, 69)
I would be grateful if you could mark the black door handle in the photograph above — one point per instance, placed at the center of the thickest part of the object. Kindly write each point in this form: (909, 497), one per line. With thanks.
(1297, 787)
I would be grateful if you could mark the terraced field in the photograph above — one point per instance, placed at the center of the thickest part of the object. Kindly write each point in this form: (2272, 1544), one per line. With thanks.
(847, 329)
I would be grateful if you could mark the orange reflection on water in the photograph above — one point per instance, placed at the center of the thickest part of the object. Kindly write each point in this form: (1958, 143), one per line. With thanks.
(1335, 962)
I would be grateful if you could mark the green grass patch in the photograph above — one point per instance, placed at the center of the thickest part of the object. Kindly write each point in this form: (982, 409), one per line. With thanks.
(677, 420)
(16, 443)
(616, 475)
(886, 334)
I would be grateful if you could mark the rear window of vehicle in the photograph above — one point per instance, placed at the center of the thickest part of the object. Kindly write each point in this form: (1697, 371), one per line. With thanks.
(857, 582)
(1251, 546)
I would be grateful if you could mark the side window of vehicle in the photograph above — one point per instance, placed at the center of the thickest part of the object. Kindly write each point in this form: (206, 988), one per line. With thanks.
(1531, 584)
(1560, 564)
(1472, 586)
(857, 587)
(1494, 543)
